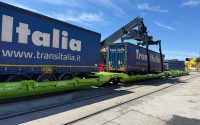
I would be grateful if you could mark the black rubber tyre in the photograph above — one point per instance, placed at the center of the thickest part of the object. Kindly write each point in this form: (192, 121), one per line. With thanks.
(45, 78)
(66, 76)
(17, 78)
(113, 81)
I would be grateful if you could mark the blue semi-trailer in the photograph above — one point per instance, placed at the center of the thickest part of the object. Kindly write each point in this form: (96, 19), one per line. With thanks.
(130, 58)
(33, 46)
(174, 65)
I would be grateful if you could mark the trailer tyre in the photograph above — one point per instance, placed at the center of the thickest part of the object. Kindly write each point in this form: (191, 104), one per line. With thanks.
(45, 78)
(16, 78)
(66, 76)
(113, 81)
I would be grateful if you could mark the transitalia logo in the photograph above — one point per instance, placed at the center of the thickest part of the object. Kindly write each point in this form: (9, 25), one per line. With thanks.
(143, 56)
(59, 39)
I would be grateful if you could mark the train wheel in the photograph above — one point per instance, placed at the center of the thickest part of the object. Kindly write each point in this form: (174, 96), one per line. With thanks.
(66, 76)
(45, 78)
(16, 78)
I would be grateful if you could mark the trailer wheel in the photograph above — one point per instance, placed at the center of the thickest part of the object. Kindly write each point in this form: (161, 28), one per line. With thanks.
(45, 78)
(17, 78)
(113, 81)
(120, 80)
(66, 76)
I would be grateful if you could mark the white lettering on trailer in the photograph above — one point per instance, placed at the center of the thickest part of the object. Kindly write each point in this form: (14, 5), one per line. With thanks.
(41, 39)
(7, 28)
(142, 56)
(64, 40)
(75, 45)
(38, 38)
(56, 38)
(23, 33)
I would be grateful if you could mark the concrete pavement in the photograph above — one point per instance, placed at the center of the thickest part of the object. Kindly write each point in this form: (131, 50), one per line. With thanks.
(177, 105)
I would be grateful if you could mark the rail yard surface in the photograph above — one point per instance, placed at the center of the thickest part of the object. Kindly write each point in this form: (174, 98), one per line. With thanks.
(54, 69)
(164, 101)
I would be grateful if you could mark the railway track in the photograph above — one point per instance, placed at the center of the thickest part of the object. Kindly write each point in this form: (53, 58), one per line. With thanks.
(139, 85)
(119, 104)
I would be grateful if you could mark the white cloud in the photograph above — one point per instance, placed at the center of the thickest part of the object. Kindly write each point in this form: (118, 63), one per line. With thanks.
(191, 3)
(84, 18)
(179, 55)
(68, 15)
(113, 6)
(71, 3)
(25, 7)
(59, 2)
(164, 26)
(146, 6)
(182, 53)
(110, 4)
(22, 6)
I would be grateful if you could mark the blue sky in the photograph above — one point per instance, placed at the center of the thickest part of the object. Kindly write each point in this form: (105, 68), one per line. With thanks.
(175, 22)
